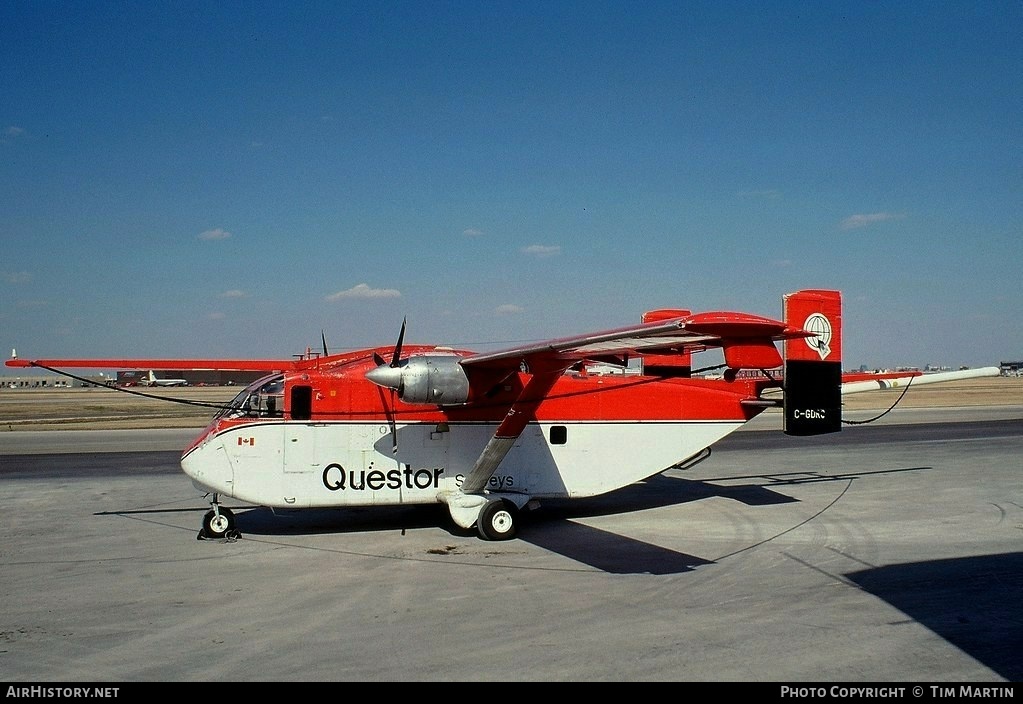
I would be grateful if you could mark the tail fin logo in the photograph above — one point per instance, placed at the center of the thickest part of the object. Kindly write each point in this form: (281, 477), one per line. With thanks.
(820, 326)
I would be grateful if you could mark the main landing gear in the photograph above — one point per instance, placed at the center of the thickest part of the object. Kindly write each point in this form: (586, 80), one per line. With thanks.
(497, 520)
(218, 523)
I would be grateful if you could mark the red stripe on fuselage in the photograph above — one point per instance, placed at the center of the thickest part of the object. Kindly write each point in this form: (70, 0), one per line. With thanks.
(582, 398)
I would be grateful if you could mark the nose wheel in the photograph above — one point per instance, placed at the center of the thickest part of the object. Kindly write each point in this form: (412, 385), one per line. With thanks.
(219, 522)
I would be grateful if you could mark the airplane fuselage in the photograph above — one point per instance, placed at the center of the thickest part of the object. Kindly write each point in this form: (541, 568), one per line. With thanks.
(592, 435)
(488, 433)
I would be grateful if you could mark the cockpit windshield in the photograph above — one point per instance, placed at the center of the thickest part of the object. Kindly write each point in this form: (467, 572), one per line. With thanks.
(263, 398)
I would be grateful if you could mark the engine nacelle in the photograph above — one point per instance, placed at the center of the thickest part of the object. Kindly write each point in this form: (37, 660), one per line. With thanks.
(433, 379)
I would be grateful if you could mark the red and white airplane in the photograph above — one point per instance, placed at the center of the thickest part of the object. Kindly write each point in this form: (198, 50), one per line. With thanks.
(490, 434)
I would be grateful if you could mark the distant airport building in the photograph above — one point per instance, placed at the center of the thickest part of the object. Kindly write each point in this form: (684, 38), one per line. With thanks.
(128, 378)
(50, 381)
(192, 377)
(1011, 368)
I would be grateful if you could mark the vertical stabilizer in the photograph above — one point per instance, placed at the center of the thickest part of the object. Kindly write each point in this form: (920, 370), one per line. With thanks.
(813, 366)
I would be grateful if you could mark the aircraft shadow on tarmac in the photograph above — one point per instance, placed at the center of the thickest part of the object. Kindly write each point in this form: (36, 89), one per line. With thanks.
(552, 527)
(615, 553)
(971, 602)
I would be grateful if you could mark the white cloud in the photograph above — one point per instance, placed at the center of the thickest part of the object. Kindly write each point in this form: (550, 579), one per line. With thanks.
(542, 250)
(234, 293)
(215, 234)
(508, 309)
(364, 291)
(13, 131)
(863, 219)
(216, 316)
(17, 277)
(472, 232)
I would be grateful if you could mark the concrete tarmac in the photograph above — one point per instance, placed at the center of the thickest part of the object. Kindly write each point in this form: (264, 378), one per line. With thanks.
(890, 552)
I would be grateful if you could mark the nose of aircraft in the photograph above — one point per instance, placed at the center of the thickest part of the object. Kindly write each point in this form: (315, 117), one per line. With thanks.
(209, 466)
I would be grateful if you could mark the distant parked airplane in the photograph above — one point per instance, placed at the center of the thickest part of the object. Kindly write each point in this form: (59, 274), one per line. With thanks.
(151, 380)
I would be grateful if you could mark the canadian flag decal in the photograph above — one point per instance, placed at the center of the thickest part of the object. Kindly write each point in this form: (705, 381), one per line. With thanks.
(246, 441)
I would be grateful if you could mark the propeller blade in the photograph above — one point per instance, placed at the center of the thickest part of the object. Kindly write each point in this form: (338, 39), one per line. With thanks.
(323, 337)
(397, 347)
(385, 374)
(394, 428)
(389, 412)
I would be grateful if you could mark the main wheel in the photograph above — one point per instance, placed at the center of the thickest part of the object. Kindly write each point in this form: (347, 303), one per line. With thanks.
(217, 526)
(497, 520)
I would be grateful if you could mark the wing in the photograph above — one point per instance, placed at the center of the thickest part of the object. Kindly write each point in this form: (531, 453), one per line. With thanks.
(858, 383)
(226, 365)
(747, 341)
(299, 362)
(744, 338)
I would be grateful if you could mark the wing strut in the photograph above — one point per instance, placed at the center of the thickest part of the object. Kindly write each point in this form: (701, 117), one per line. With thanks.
(519, 415)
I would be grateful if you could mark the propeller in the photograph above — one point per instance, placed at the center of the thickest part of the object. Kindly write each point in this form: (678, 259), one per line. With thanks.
(396, 356)
(323, 337)
(389, 375)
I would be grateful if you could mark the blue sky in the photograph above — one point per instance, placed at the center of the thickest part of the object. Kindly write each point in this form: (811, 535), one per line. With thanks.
(231, 178)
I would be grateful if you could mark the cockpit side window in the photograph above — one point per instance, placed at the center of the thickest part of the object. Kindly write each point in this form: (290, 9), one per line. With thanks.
(261, 399)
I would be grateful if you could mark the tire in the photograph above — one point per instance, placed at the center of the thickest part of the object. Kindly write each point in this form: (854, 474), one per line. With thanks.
(497, 520)
(218, 526)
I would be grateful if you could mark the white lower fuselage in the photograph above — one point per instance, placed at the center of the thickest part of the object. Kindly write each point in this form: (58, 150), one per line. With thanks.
(295, 464)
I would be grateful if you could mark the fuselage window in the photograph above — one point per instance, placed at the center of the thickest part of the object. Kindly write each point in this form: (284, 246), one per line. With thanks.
(559, 435)
(301, 402)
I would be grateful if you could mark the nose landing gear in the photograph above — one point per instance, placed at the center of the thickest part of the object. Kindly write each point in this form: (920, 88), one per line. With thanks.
(218, 523)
